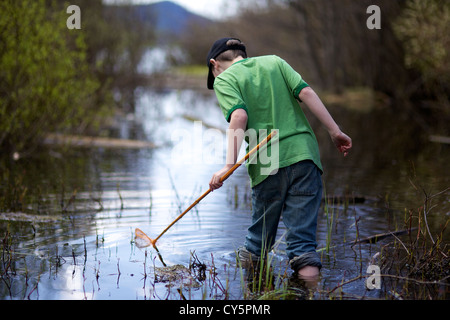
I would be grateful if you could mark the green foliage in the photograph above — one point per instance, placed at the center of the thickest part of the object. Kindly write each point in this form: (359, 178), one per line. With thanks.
(424, 29)
(45, 83)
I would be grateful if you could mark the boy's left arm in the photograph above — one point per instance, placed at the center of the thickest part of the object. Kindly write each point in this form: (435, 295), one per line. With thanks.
(315, 105)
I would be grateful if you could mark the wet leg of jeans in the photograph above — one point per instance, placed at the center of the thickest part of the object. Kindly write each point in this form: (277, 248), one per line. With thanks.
(267, 205)
(302, 205)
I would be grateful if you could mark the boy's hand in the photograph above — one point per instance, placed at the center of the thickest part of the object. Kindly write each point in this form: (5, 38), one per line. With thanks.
(215, 182)
(342, 142)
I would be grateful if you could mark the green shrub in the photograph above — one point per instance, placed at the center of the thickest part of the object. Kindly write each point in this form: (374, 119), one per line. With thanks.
(45, 82)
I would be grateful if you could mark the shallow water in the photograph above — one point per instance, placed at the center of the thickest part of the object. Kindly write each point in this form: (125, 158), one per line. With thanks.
(88, 251)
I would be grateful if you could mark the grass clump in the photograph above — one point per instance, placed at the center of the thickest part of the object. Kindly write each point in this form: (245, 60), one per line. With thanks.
(418, 267)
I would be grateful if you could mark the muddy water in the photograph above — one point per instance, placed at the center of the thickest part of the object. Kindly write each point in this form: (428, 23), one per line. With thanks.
(87, 250)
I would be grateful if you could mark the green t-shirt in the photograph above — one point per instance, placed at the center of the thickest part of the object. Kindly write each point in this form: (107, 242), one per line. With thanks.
(267, 88)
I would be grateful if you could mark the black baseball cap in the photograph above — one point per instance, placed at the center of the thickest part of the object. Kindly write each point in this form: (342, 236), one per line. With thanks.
(218, 47)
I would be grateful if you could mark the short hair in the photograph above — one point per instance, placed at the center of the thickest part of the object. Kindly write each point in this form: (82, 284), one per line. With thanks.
(230, 55)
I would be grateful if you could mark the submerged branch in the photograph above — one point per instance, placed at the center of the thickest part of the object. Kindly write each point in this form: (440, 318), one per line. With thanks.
(85, 141)
(380, 236)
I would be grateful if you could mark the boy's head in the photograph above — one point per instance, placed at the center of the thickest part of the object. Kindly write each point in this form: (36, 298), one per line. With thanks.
(225, 49)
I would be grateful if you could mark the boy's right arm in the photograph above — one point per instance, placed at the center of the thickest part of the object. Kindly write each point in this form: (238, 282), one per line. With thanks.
(315, 105)
(238, 123)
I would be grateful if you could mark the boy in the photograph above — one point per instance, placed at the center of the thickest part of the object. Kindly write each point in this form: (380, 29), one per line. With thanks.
(262, 93)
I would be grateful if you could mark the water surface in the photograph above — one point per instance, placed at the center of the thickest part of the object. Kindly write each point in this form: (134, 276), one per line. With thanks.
(87, 250)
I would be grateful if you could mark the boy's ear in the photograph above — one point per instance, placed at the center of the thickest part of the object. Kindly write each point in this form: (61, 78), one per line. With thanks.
(213, 62)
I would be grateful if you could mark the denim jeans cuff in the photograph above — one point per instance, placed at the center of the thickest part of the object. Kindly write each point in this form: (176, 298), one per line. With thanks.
(307, 259)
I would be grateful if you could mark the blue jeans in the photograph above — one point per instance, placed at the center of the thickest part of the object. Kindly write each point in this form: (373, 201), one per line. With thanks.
(296, 192)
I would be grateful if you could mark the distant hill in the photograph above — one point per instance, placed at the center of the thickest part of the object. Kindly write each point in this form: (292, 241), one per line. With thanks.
(168, 18)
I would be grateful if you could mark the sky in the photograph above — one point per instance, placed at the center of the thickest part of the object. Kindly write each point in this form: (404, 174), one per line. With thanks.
(214, 9)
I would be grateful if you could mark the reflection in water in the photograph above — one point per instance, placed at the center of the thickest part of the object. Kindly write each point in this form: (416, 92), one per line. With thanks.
(88, 252)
